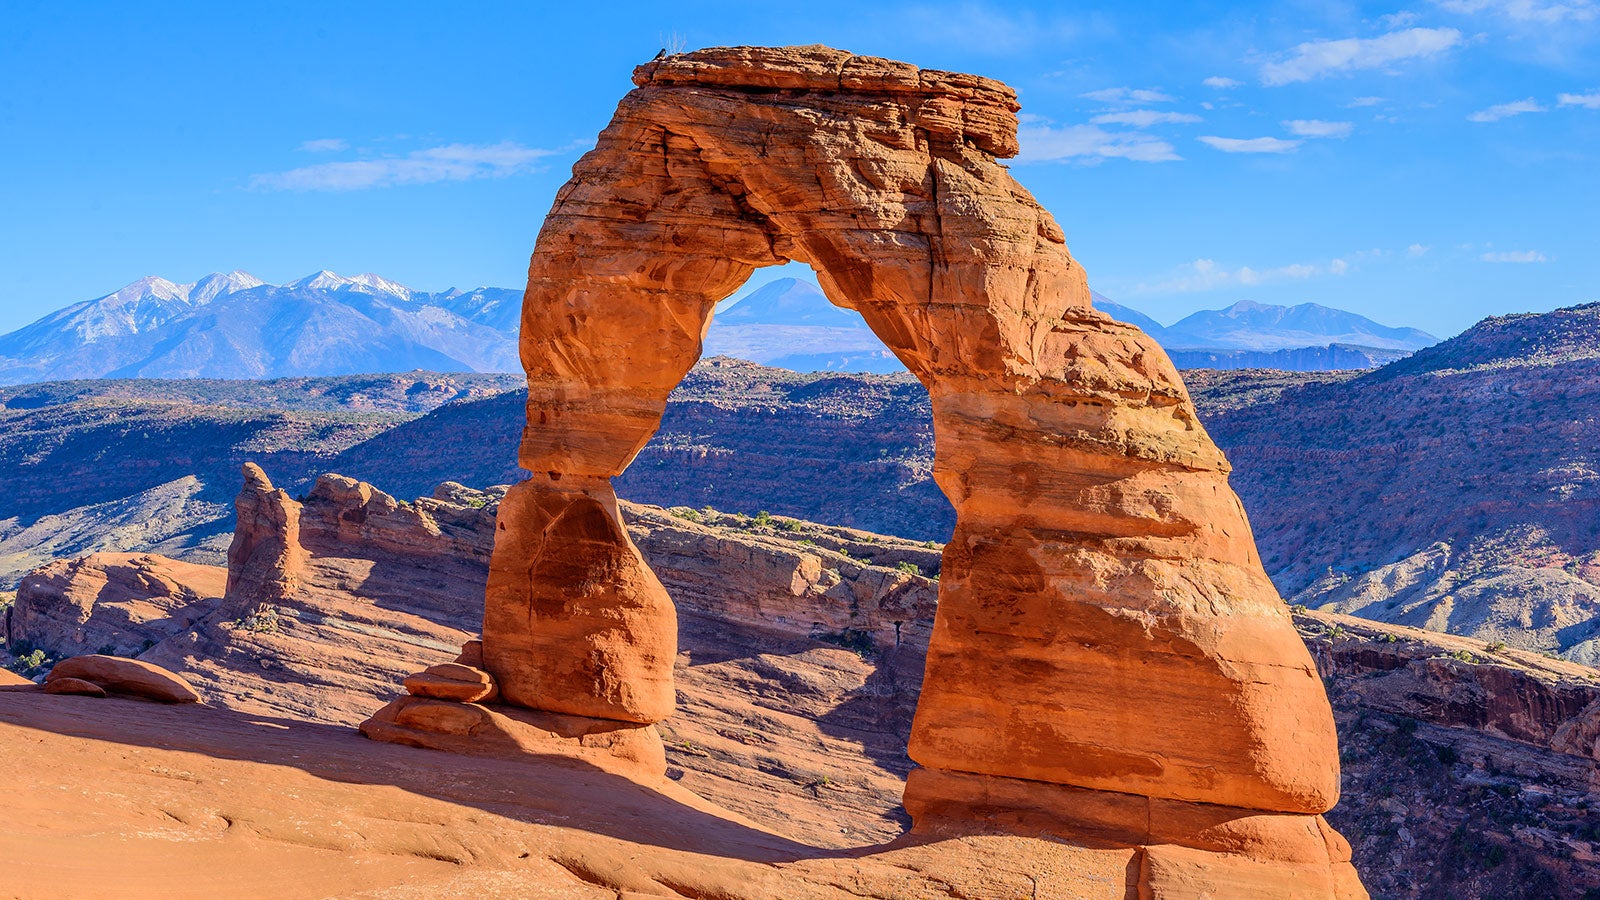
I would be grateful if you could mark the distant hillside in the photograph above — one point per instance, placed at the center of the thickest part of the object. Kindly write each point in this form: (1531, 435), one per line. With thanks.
(1457, 489)
(236, 326)
(789, 324)
(1299, 359)
(845, 449)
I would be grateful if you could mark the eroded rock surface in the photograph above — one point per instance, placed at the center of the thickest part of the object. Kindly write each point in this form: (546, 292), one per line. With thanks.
(1104, 621)
(115, 603)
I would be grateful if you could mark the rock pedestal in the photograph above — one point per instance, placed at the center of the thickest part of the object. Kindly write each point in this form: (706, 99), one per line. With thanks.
(1105, 629)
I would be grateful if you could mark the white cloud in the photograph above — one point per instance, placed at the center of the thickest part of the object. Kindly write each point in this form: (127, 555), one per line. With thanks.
(1144, 118)
(1399, 20)
(1090, 143)
(325, 145)
(1417, 250)
(452, 162)
(1359, 102)
(1315, 59)
(1515, 256)
(1587, 101)
(1526, 10)
(1221, 83)
(1127, 95)
(1317, 128)
(1206, 275)
(1506, 111)
(1251, 145)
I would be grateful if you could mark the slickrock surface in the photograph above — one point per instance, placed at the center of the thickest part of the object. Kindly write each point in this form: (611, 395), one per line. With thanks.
(1102, 575)
(212, 802)
(115, 603)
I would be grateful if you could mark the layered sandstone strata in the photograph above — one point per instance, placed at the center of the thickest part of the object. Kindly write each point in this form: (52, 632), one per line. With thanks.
(1104, 622)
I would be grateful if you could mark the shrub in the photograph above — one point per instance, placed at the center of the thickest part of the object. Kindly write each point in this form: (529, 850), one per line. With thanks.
(264, 620)
(850, 639)
(910, 568)
(28, 664)
(685, 513)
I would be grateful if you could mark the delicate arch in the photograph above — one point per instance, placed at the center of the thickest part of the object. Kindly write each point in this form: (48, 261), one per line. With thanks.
(1104, 622)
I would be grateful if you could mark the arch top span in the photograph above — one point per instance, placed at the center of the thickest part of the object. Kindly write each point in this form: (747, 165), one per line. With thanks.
(1104, 621)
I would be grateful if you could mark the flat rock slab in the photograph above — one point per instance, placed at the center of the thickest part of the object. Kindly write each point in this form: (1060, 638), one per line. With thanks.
(132, 677)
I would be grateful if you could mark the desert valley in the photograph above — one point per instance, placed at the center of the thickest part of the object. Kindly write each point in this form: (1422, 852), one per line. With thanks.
(916, 570)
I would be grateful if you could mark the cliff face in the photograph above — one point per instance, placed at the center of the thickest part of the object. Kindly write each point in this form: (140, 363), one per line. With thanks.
(1470, 769)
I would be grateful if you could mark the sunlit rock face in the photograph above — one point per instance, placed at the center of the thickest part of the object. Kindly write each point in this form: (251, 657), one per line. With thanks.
(1104, 622)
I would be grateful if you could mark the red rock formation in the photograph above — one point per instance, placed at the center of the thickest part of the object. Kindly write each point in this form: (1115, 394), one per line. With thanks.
(118, 603)
(117, 675)
(1104, 622)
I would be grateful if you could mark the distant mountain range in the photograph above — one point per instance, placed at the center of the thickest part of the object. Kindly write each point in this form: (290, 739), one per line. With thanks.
(789, 324)
(1265, 327)
(235, 325)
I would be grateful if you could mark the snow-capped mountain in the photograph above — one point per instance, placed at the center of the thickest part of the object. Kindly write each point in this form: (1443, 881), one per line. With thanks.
(235, 325)
(1264, 326)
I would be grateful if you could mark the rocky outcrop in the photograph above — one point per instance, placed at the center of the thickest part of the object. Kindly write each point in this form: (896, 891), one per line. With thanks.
(1102, 576)
(1459, 682)
(1469, 768)
(114, 603)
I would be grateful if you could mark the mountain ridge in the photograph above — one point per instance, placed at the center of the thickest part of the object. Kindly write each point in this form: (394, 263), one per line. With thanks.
(234, 325)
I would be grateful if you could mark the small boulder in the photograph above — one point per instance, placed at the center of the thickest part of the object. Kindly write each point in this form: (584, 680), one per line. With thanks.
(118, 675)
(471, 654)
(74, 686)
(452, 681)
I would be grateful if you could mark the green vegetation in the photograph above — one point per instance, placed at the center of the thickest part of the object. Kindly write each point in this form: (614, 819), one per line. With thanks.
(29, 663)
(850, 639)
(910, 568)
(763, 519)
(265, 620)
(684, 513)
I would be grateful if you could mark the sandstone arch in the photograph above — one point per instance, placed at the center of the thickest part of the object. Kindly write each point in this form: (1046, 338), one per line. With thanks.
(1108, 653)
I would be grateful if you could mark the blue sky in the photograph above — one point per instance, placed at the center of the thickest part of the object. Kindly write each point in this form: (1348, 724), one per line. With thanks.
(1424, 163)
